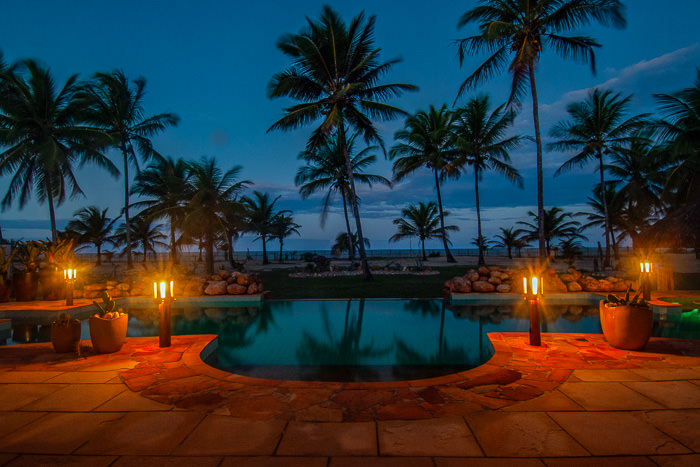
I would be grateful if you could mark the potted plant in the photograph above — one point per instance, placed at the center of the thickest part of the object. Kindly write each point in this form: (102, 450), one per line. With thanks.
(26, 281)
(65, 334)
(5, 263)
(626, 323)
(108, 327)
(57, 255)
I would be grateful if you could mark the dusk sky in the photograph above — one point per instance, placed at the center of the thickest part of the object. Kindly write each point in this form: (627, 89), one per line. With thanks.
(210, 63)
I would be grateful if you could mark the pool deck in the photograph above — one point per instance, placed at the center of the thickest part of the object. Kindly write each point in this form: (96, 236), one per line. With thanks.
(573, 401)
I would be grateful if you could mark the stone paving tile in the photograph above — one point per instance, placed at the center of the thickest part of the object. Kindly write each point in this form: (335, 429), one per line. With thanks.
(129, 401)
(692, 460)
(142, 433)
(5, 458)
(549, 402)
(486, 462)
(682, 425)
(607, 396)
(436, 437)
(276, 461)
(381, 462)
(12, 421)
(166, 461)
(15, 396)
(329, 439)
(608, 375)
(626, 461)
(27, 376)
(85, 377)
(56, 433)
(221, 435)
(76, 398)
(29, 460)
(672, 394)
(616, 433)
(522, 434)
(661, 374)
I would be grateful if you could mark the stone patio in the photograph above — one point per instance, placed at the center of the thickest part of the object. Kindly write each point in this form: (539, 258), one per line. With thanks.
(564, 403)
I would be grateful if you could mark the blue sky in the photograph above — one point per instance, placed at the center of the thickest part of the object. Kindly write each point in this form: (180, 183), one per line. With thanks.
(210, 63)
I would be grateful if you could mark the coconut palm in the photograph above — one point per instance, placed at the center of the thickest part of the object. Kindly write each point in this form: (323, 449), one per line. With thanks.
(681, 127)
(614, 205)
(481, 143)
(41, 127)
(515, 33)
(509, 239)
(596, 127)
(116, 104)
(557, 224)
(336, 73)
(325, 169)
(420, 221)
(260, 215)
(233, 216)
(283, 226)
(91, 226)
(144, 233)
(426, 141)
(342, 242)
(212, 190)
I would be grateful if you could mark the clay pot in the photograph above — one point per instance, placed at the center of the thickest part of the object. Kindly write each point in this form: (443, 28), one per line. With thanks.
(65, 338)
(108, 335)
(26, 285)
(4, 290)
(626, 327)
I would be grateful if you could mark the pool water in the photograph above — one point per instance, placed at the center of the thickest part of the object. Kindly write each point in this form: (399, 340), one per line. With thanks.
(359, 340)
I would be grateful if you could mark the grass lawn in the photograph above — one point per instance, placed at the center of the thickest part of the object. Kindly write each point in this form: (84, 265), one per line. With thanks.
(281, 286)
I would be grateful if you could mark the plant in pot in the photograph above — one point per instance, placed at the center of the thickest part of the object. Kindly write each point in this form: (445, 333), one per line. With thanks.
(57, 255)
(626, 323)
(26, 281)
(65, 334)
(5, 263)
(108, 327)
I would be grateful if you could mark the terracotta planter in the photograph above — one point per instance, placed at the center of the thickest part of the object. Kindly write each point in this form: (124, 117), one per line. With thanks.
(108, 335)
(626, 327)
(4, 291)
(52, 284)
(65, 338)
(26, 285)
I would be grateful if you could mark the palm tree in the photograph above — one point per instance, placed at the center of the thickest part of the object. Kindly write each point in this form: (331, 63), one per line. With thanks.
(342, 242)
(233, 216)
(523, 29)
(420, 221)
(509, 239)
(335, 73)
(165, 182)
(681, 128)
(115, 104)
(260, 216)
(90, 225)
(325, 169)
(613, 205)
(426, 141)
(596, 127)
(212, 190)
(143, 232)
(45, 137)
(481, 144)
(557, 224)
(283, 226)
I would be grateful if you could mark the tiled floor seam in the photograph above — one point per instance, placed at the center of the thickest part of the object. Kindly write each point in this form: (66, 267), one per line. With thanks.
(644, 413)
(569, 434)
(476, 440)
(666, 407)
(194, 427)
(279, 440)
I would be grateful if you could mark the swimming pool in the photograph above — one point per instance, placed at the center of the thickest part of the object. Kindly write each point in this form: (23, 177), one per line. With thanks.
(357, 340)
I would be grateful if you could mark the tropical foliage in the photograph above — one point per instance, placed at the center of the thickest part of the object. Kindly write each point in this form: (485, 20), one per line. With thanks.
(421, 221)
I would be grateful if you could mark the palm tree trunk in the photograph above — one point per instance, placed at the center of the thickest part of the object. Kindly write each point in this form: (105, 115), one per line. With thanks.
(540, 180)
(422, 245)
(229, 253)
(351, 246)
(603, 199)
(478, 217)
(355, 210)
(99, 253)
(209, 247)
(173, 247)
(281, 246)
(448, 255)
(265, 260)
(127, 219)
(52, 212)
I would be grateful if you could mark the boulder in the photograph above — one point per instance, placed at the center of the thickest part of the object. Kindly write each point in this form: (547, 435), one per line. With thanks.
(605, 286)
(243, 279)
(484, 271)
(483, 287)
(612, 279)
(124, 287)
(111, 283)
(224, 274)
(505, 276)
(484, 278)
(93, 287)
(503, 288)
(574, 286)
(567, 278)
(495, 280)
(253, 289)
(214, 277)
(620, 286)
(552, 284)
(590, 285)
(472, 275)
(577, 275)
(92, 293)
(457, 283)
(235, 289)
(464, 287)
(216, 288)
